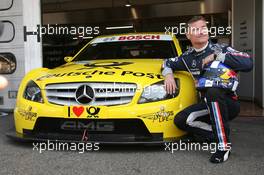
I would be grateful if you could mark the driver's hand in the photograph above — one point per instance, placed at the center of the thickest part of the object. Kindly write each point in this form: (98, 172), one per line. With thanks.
(170, 84)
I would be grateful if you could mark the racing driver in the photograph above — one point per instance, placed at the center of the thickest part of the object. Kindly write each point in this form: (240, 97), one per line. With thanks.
(219, 104)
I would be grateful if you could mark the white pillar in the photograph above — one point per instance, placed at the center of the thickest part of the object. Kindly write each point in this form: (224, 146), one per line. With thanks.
(32, 47)
(28, 54)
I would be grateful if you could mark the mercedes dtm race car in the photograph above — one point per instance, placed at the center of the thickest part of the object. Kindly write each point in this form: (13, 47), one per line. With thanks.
(110, 91)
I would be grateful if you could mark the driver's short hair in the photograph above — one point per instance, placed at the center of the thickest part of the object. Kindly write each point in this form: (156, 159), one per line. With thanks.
(195, 19)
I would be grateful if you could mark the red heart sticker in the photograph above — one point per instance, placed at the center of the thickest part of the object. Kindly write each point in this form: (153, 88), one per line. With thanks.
(78, 110)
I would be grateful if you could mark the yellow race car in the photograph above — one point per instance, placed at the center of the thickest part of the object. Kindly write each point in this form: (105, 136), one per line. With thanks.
(111, 91)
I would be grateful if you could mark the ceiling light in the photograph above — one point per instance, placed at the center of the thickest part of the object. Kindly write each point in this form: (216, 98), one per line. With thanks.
(128, 4)
(119, 27)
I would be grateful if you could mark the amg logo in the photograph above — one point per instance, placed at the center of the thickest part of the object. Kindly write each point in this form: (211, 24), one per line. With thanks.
(91, 126)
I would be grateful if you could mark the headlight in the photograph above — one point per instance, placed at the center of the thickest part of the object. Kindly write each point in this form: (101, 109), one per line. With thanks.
(157, 92)
(33, 93)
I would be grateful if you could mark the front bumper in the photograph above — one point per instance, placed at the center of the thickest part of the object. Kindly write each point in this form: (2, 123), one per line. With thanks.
(157, 128)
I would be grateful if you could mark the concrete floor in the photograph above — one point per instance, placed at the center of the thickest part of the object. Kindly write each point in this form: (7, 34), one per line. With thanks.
(247, 156)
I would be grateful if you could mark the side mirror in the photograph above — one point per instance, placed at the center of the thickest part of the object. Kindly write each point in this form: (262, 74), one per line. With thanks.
(68, 59)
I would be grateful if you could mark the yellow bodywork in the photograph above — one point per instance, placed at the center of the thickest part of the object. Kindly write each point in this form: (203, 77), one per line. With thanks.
(159, 116)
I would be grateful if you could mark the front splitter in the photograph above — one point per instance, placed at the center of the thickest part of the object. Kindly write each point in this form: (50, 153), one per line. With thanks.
(12, 134)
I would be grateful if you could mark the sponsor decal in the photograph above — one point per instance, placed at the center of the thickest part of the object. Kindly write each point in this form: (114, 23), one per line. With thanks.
(194, 63)
(93, 111)
(195, 71)
(209, 83)
(137, 37)
(89, 125)
(109, 39)
(106, 65)
(160, 116)
(90, 74)
(78, 110)
(89, 112)
(141, 74)
(28, 114)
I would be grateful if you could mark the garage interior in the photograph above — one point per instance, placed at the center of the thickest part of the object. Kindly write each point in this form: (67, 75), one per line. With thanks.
(136, 15)
(152, 16)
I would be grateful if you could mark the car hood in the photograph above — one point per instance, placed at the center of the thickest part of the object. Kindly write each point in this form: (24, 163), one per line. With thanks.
(140, 71)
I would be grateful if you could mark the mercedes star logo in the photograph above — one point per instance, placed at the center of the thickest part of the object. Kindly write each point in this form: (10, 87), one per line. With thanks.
(84, 94)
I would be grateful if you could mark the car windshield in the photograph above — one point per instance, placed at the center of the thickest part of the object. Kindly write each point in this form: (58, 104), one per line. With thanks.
(128, 50)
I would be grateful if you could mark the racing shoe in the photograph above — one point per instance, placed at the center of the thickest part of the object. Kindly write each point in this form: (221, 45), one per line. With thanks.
(220, 156)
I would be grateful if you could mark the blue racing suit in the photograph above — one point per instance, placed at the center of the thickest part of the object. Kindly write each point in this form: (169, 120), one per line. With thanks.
(209, 118)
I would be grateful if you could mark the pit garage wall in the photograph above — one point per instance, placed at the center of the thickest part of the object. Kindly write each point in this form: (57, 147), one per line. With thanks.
(243, 40)
(248, 25)
(16, 14)
(259, 63)
(260, 12)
